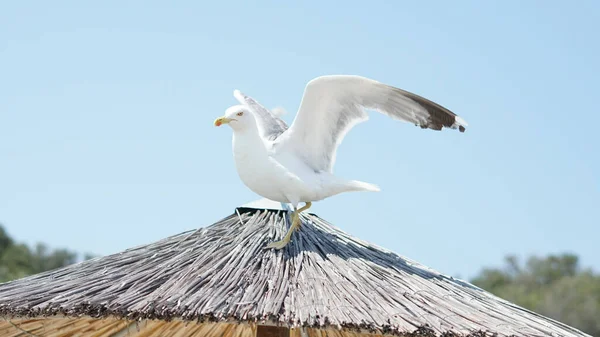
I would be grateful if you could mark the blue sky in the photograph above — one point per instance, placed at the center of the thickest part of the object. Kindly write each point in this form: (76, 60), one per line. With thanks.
(107, 141)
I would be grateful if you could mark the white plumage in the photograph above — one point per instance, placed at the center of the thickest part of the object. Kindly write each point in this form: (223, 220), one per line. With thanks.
(295, 164)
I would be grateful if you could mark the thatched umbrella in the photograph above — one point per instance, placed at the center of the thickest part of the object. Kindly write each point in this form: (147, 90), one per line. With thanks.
(219, 281)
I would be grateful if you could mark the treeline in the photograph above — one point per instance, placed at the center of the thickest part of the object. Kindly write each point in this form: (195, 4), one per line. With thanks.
(19, 260)
(555, 286)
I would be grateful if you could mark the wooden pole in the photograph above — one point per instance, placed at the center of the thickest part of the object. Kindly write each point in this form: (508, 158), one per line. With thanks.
(272, 331)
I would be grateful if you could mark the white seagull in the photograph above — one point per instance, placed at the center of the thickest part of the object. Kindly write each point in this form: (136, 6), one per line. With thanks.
(295, 164)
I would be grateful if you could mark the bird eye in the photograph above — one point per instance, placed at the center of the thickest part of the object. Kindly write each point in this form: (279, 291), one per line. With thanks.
(240, 113)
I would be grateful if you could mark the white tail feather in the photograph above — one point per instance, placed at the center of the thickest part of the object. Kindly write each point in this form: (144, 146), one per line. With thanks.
(362, 186)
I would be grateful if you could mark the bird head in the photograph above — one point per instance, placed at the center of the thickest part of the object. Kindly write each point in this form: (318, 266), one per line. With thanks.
(238, 117)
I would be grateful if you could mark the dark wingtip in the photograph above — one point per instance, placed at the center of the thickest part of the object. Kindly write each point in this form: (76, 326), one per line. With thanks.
(461, 128)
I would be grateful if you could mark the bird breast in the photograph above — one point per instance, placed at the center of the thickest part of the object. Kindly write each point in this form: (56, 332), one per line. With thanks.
(258, 170)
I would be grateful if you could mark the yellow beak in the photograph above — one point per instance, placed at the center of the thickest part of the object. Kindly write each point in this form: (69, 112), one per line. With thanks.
(222, 120)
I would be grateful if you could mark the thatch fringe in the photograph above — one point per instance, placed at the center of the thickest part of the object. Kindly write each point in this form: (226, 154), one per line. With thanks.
(112, 327)
(115, 327)
(323, 279)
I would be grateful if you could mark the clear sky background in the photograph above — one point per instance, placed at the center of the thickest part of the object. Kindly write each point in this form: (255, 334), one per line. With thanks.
(107, 138)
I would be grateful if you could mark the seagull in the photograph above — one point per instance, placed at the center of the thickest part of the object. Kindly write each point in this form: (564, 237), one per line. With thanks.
(295, 164)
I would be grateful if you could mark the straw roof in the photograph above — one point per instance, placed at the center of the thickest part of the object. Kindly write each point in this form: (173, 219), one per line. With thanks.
(221, 274)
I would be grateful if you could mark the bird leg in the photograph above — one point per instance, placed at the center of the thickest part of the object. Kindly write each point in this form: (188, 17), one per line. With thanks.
(303, 208)
(296, 223)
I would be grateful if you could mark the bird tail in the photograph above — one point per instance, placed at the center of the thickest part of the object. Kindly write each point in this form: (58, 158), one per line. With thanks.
(362, 186)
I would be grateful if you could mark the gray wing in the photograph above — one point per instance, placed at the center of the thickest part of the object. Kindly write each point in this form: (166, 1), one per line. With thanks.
(269, 125)
(332, 105)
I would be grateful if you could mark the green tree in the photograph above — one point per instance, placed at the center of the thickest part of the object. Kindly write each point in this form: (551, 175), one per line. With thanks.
(555, 286)
(18, 260)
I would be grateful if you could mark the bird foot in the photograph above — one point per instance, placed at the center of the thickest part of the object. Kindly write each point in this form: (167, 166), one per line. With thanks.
(296, 224)
(287, 238)
(278, 244)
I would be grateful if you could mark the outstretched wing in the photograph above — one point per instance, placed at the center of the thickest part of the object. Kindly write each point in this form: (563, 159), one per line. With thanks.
(332, 105)
(269, 125)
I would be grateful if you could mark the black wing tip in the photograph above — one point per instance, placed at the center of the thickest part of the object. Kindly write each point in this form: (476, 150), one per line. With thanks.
(440, 126)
